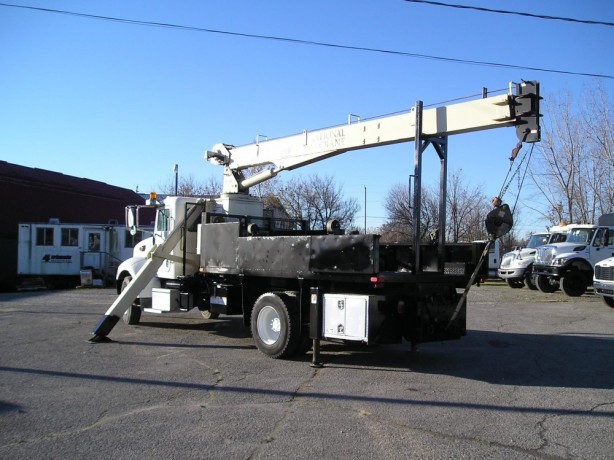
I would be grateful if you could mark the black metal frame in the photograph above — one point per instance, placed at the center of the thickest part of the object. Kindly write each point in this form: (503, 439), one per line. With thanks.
(440, 144)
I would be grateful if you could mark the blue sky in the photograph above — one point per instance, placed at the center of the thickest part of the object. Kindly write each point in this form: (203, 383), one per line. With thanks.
(122, 103)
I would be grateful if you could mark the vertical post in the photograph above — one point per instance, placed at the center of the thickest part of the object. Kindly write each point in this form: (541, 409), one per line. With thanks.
(417, 185)
(365, 209)
(315, 324)
(176, 171)
(442, 151)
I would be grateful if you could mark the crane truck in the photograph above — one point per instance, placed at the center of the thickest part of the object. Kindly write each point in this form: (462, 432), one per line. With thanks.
(295, 286)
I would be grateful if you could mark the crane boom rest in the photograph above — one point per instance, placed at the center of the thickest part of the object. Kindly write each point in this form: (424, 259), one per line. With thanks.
(293, 285)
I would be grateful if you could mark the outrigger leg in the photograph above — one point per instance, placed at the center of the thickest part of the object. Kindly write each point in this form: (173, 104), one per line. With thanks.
(155, 258)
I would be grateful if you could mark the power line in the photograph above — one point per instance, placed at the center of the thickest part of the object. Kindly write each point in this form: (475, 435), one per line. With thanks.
(308, 42)
(517, 13)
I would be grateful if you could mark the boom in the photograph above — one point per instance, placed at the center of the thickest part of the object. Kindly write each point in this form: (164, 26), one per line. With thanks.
(287, 153)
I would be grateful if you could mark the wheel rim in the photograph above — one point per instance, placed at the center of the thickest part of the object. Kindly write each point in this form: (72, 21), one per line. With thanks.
(269, 325)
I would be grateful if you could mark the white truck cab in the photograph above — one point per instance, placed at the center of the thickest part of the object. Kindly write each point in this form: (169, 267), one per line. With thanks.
(517, 266)
(571, 264)
(603, 280)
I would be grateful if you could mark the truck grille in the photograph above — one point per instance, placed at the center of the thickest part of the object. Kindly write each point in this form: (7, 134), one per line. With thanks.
(544, 256)
(604, 273)
(507, 260)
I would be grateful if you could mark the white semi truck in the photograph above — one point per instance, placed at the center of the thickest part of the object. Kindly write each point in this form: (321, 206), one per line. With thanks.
(603, 280)
(295, 286)
(570, 264)
(517, 266)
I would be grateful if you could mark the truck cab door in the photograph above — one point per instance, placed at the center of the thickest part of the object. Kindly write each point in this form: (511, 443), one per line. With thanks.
(603, 245)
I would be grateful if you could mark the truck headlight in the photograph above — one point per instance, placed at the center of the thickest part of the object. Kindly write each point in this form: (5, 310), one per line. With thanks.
(559, 261)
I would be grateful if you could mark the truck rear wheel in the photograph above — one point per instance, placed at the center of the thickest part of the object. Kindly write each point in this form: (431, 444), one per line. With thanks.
(546, 285)
(573, 283)
(133, 314)
(275, 325)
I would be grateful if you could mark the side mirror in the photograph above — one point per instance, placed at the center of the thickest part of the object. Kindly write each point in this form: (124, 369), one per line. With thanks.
(131, 221)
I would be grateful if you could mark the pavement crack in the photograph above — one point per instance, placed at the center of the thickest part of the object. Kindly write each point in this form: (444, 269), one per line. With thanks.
(280, 423)
(102, 420)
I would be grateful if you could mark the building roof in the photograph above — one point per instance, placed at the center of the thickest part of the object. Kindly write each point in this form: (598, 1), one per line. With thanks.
(37, 195)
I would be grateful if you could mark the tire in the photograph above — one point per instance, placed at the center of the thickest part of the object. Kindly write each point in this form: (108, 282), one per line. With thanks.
(544, 284)
(132, 315)
(529, 281)
(515, 283)
(209, 315)
(275, 325)
(609, 301)
(573, 283)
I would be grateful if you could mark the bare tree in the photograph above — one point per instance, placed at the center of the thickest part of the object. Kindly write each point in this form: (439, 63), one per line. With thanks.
(574, 171)
(188, 186)
(317, 199)
(466, 211)
(400, 226)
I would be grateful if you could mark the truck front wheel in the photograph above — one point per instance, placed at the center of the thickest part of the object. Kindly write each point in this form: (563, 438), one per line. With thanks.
(573, 283)
(133, 314)
(609, 301)
(546, 285)
(515, 283)
(529, 278)
(275, 325)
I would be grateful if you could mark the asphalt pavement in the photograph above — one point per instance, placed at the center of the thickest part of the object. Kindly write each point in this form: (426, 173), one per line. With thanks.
(534, 378)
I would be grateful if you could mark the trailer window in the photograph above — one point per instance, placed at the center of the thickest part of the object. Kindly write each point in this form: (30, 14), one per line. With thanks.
(44, 236)
(70, 237)
(93, 242)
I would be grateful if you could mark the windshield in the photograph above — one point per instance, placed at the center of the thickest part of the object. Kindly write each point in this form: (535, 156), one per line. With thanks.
(558, 238)
(539, 239)
(581, 235)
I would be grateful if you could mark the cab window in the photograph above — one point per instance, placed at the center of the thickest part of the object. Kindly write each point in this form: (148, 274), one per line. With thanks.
(163, 223)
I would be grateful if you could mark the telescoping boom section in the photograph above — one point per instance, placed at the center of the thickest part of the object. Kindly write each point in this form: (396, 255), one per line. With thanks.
(294, 285)
(286, 153)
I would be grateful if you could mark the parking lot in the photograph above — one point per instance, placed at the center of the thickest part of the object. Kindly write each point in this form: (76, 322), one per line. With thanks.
(534, 378)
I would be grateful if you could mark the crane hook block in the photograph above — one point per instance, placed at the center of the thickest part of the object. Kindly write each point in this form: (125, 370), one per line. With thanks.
(499, 221)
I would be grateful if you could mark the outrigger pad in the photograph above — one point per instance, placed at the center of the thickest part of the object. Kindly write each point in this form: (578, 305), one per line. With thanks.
(102, 329)
(100, 339)
(499, 221)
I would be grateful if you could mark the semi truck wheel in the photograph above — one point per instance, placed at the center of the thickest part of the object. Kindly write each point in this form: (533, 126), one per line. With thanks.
(133, 314)
(275, 325)
(529, 280)
(609, 301)
(544, 284)
(515, 283)
(573, 283)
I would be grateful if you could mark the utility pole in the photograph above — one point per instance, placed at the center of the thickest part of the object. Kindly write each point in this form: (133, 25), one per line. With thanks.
(365, 209)
(176, 171)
